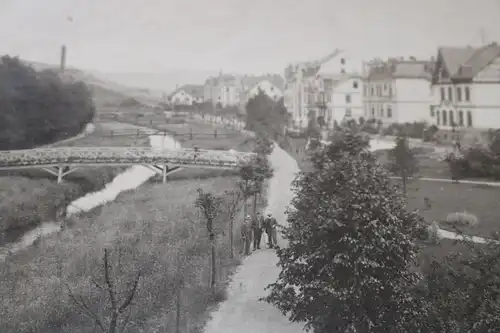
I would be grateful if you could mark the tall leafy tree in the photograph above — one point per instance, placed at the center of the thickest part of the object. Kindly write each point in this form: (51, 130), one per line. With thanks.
(403, 161)
(352, 246)
(263, 114)
(39, 107)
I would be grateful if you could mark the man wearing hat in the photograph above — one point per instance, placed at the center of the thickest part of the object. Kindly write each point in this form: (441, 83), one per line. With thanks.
(257, 226)
(246, 235)
(270, 226)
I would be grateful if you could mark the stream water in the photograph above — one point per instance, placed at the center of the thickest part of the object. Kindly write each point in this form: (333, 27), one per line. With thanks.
(127, 180)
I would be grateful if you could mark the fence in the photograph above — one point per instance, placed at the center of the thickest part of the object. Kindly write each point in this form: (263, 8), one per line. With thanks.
(189, 135)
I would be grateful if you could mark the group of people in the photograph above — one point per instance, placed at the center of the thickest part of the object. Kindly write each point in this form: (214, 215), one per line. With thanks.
(253, 228)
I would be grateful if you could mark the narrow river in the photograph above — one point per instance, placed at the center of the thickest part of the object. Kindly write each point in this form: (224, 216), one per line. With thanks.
(127, 180)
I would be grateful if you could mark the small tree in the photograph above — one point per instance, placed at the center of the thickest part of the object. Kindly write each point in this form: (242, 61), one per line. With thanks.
(403, 161)
(233, 202)
(118, 311)
(210, 206)
(351, 249)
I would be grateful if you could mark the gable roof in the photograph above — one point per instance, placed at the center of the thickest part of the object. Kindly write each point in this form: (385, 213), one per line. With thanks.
(466, 63)
(193, 90)
(407, 69)
(248, 82)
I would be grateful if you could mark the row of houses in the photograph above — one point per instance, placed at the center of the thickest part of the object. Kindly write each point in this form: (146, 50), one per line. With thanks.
(459, 88)
(227, 90)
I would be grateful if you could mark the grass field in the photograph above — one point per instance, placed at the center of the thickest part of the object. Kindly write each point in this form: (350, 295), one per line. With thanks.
(446, 198)
(151, 228)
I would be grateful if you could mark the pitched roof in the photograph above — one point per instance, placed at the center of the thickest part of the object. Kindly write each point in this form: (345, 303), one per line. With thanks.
(467, 62)
(193, 90)
(248, 82)
(394, 69)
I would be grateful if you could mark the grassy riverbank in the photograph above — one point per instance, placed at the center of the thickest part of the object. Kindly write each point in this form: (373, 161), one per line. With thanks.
(152, 228)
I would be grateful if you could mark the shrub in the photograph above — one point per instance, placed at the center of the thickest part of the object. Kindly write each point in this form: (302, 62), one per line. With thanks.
(38, 107)
(462, 219)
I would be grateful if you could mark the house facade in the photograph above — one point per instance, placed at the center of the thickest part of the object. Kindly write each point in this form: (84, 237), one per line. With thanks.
(222, 90)
(466, 90)
(271, 85)
(346, 98)
(188, 94)
(306, 93)
(398, 90)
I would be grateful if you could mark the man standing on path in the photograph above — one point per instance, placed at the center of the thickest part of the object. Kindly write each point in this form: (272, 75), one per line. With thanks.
(257, 224)
(271, 231)
(246, 235)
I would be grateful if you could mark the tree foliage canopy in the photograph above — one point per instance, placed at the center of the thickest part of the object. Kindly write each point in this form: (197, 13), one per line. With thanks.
(266, 115)
(38, 108)
(352, 251)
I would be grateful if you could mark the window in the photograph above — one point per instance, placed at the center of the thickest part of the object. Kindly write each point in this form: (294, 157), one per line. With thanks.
(227, 89)
(389, 112)
(452, 122)
(373, 112)
(467, 94)
(348, 112)
(365, 91)
(379, 91)
(381, 111)
(372, 90)
(342, 61)
(355, 84)
(469, 119)
(459, 94)
(450, 94)
(432, 112)
(438, 118)
(348, 98)
(460, 118)
(390, 90)
(445, 120)
(443, 96)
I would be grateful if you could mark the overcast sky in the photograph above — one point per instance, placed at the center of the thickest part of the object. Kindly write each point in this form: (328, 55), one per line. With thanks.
(236, 35)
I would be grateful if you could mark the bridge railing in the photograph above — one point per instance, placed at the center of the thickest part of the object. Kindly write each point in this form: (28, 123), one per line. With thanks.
(122, 155)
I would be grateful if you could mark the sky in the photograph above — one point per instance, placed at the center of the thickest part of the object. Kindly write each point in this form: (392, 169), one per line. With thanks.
(242, 36)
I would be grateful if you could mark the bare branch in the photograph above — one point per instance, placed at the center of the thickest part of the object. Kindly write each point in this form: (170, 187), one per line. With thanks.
(107, 278)
(126, 321)
(96, 284)
(130, 297)
(85, 308)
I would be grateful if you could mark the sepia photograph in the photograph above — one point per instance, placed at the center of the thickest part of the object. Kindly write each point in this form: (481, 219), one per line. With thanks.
(230, 166)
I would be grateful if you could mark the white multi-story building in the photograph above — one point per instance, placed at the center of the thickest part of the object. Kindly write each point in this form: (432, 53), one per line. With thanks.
(222, 90)
(304, 96)
(345, 100)
(466, 89)
(398, 90)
